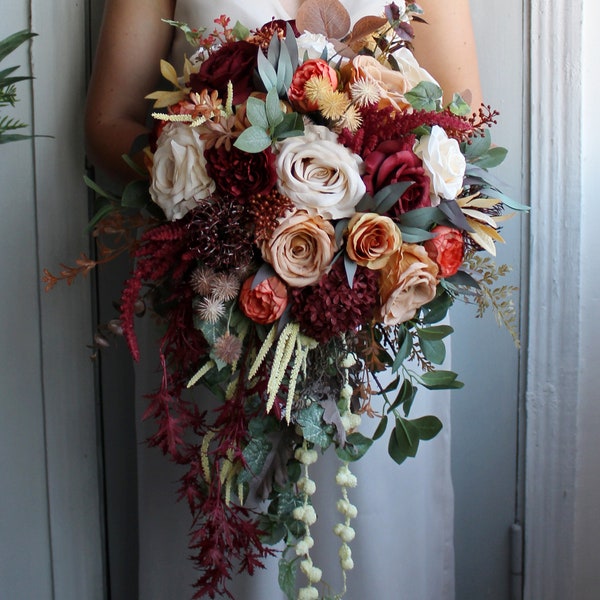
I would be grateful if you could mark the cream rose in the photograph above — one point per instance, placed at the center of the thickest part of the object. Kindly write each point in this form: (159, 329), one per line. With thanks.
(408, 281)
(372, 239)
(391, 84)
(443, 162)
(319, 175)
(312, 45)
(179, 177)
(301, 248)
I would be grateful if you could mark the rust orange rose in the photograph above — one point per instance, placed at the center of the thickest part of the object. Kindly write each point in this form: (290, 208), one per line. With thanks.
(408, 281)
(265, 302)
(315, 67)
(446, 249)
(301, 248)
(372, 239)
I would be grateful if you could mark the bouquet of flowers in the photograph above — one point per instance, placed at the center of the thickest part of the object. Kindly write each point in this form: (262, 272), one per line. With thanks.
(309, 213)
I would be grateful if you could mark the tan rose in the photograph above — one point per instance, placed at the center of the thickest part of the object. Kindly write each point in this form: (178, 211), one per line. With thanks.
(408, 281)
(301, 248)
(392, 85)
(372, 239)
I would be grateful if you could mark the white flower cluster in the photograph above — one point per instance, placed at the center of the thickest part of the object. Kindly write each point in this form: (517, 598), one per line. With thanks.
(306, 513)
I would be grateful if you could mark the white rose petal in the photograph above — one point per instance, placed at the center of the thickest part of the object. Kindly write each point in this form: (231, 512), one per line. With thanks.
(179, 177)
(319, 175)
(412, 71)
(443, 162)
(312, 45)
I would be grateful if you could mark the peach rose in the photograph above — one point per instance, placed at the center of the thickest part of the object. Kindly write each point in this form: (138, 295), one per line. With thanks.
(316, 67)
(265, 302)
(372, 239)
(392, 85)
(301, 248)
(408, 281)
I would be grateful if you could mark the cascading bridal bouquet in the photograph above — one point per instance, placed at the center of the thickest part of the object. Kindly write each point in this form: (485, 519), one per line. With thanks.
(311, 214)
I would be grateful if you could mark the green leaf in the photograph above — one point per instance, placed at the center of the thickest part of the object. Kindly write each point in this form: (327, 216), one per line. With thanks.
(437, 332)
(267, 72)
(406, 394)
(437, 309)
(366, 204)
(426, 95)
(406, 440)
(434, 351)
(291, 44)
(99, 191)
(422, 218)
(12, 42)
(285, 70)
(512, 204)
(414, 235)
(135, 194)
(463, 279)
(257, 112)
(440, 380)
(314, 429)
(14, 137)
(105, 209)
(253, 140)
(240, 31)
(211, 331)
(356, 447)
(458, 106)
(380, 428)
(350, 267)
(255, 454)
(477, 146)
(287, 577)
(404, 349)
(274, 113)
(394, 449)
(386, 197)
(291, 125)
(428, 427)
(492, 158)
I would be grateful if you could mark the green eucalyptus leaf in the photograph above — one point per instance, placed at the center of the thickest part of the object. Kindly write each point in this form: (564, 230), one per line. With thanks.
(266, 71)
(291, 44)
(98, 190)
(291, 125)
(274, 114)
(458, 106)
(437, 332)
(406, 394)
(356, 447)
(463, 279)
(506, 200)
(394, 450)
(285, 70)
(433, 350)
(386, 197)
(407, 437)
(426, 95)
(257, 112)
(253, 140)
(428, 427)
(422, 218)
(440, 380)
(492, 158)
(414, 235)
(136, 194)
(477, 146)
(404, 349)
(437, 309)
(366, 204)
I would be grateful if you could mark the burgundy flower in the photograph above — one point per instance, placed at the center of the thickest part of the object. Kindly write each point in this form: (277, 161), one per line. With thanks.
(393, 161)
(233, 62)
(331, 307)
(241, 174)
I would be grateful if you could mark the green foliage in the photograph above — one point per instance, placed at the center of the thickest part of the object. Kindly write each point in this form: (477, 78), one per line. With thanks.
(426, 95)
(406, 435)
(287, 577)
(8, 90)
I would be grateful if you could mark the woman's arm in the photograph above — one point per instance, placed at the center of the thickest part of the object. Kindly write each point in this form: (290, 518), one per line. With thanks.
(132, 41)
(445, 46)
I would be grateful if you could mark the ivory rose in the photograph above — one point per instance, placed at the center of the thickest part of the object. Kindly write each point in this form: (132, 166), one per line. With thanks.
(446, 249)
(408, 281)
(443, 161)
(372, 239)
(179, 177)
(265, 302)
(392, 85)
(315, 67)
(301, 248)
(313, 45)
(320, 175)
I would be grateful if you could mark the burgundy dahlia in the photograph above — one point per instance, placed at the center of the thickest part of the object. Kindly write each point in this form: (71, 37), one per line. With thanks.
(241, 174)
(331, 307)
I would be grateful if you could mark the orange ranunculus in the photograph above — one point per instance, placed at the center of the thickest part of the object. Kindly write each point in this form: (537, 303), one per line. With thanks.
(265, 302)
(315, 67)
(372, 239)
(301, 248)
(446, 249)
(408, 281)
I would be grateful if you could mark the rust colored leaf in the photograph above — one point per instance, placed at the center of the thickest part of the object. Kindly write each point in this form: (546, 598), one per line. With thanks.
(366, 26)
(328, 17)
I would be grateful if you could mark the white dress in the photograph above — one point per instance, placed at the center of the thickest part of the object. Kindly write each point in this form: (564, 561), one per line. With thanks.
(403, 548)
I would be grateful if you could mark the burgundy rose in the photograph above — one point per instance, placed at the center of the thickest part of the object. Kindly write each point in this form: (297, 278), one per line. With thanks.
(393, 161)
(233, 62)
(241, 174)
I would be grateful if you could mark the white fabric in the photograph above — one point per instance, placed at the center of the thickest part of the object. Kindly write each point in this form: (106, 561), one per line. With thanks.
(403, 548)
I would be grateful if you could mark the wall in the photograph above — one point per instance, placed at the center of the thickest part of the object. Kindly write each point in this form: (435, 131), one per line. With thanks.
(587, 523)
(50, 517)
